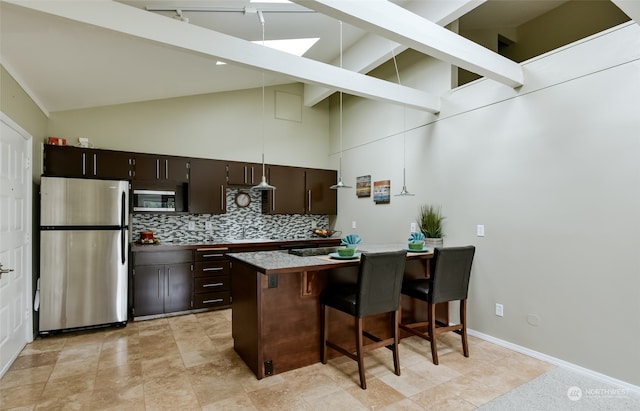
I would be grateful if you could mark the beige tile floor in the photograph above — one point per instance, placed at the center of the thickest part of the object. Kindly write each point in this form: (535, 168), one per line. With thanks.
(188, 363)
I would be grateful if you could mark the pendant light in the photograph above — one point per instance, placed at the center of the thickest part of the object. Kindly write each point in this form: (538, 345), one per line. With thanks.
(263, 185)
(340, 184)
(404, 192)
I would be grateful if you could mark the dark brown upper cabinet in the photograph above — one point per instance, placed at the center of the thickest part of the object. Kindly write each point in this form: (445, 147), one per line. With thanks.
(207, 187)
(321, 199)
(243, 174)
(288, 197)
(80, 162)
(300, 191)
(151, 167)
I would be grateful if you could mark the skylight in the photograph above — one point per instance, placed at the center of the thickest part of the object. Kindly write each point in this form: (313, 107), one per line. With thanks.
(269, 1)
(296, 47)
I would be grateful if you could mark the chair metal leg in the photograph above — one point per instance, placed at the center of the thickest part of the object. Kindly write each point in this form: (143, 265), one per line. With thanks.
(359, 352)
(432, 332)
(463, 321)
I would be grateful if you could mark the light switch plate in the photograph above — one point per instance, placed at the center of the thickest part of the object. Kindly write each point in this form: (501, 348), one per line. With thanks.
(480, 230)
(413, 227)
(353, 224)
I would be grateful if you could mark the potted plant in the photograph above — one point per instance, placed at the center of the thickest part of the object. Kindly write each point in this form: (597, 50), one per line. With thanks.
(430, 222)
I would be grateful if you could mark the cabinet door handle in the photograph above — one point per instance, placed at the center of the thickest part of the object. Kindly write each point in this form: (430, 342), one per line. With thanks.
(166, 169)
(157, 169)
(309, 199)
(84, 164)
(212, 255)
(168, 280)
(245, 174)
(222, 197)
(216, 300)
(252, 179)
(159, 284)
(213, 285)
(95, 164)
(273, 200)
(212, 269)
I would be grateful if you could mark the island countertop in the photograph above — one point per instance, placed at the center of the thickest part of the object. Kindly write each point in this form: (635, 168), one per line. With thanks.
(281, 262)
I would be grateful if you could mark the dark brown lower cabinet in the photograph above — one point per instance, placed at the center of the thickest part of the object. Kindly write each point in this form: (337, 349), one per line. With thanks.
(162, 288)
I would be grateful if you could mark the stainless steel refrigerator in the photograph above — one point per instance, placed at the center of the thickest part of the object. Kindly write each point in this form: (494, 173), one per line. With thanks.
(83, 253)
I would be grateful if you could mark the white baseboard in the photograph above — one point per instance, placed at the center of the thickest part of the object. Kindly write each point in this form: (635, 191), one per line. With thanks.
(556, 361)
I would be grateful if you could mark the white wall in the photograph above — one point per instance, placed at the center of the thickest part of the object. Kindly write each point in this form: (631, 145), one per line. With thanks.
(553, 172)
(225, 126)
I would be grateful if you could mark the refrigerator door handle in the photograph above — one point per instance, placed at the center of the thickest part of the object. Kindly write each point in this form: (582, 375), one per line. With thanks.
(123, 229)
(123, 245)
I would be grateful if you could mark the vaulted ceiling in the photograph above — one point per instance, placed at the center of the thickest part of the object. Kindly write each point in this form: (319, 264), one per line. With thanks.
(78, 54)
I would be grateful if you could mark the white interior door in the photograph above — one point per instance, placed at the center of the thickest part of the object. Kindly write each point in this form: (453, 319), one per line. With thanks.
(16, 328)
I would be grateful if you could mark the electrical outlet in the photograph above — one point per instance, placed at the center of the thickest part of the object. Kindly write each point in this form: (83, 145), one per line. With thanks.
(499, 310)
(413, 227)
(480, 230)
(353, 224)
(208, 225)
(191, 225)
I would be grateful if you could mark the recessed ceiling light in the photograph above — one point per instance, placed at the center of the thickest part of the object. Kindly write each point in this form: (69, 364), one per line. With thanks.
(296, 47)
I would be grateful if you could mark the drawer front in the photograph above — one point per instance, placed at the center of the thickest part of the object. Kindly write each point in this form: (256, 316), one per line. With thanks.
(212, 284)
(210, 254)
(162, 257)
(212, 268)
(207, 300)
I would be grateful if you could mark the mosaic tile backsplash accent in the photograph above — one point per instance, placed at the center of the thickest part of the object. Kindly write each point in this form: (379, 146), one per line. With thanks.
(237, 223)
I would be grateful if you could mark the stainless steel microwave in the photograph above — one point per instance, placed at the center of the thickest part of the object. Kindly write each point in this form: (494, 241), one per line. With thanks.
(154, 200)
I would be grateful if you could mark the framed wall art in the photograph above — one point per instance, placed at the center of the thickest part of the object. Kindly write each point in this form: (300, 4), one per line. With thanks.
(382, 191)
(363, 186)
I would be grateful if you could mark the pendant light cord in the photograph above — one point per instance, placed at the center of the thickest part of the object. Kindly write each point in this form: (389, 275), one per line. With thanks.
(263, 185)
(261, 17)
(404, 191)
(340, 176)
(340, 184)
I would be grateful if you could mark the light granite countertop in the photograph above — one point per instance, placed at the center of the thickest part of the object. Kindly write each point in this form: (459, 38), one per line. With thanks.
(280, 262)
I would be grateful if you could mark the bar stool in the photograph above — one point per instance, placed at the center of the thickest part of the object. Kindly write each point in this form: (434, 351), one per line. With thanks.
(377, 291)
(449, 282)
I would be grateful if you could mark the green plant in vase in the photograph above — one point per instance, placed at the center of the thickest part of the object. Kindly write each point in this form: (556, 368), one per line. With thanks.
(430, 222)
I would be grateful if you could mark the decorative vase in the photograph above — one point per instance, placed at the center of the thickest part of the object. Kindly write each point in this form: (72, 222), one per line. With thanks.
(433, 242)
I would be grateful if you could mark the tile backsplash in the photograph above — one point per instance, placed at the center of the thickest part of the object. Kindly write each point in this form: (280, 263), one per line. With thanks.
(231, 225)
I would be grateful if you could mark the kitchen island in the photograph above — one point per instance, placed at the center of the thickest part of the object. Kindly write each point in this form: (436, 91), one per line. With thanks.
(276, 308)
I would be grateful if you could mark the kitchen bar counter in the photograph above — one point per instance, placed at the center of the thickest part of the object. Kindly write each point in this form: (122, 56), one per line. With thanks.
(276, 308)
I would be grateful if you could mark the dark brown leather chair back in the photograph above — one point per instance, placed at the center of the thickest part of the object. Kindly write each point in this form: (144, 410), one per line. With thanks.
(450, 275)
(379, 282)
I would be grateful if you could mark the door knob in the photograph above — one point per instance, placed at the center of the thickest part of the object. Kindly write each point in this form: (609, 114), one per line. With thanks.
(4, 270)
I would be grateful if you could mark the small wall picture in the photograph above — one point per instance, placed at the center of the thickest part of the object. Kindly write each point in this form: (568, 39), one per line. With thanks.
(363, 186)
(382, 191)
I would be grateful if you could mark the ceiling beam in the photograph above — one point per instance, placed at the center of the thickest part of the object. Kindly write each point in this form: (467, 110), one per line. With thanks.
(132, 21)
(371, 51)
(630, 7)
(391, 21)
